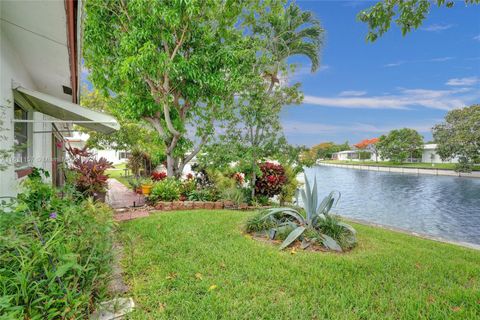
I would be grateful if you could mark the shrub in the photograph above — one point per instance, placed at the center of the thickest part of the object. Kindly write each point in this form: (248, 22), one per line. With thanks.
(55, 254)
(290, 187)
(206, 194)
(158, 176)
(315, 226)
(90, 178)
(271, 182)
(166, 190)
(233, 194)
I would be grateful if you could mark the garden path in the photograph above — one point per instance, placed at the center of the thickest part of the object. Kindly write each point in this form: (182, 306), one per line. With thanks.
(119, 196)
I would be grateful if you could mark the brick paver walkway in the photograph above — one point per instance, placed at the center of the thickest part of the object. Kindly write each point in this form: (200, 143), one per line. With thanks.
(119, 196)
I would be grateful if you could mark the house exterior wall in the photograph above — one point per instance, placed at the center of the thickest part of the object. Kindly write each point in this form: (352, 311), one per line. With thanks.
(40, 144)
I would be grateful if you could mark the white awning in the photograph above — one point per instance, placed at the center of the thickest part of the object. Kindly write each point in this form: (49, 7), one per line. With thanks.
(66, 111)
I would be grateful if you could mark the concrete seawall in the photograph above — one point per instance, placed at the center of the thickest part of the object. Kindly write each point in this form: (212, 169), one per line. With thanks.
(433, 171)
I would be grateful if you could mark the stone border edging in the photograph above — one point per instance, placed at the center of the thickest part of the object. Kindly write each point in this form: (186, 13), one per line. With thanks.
(418, 171)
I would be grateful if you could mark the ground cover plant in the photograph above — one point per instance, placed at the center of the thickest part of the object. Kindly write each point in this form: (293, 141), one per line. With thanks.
(54, 253)
(314, 225)
(207, 268)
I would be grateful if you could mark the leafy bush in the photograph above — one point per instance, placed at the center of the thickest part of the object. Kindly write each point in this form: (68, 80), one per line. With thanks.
(55, 254)
(90, 172)
(206, 194)
(290, 187)
(166, 190)
(158, 176)
(233, 194)
(316, 226)
(272, 180)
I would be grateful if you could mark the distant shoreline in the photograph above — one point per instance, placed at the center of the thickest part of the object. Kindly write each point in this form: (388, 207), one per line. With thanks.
(393, 169)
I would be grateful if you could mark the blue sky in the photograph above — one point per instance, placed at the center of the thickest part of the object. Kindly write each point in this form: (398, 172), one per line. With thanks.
(363, 90)
(366, 89)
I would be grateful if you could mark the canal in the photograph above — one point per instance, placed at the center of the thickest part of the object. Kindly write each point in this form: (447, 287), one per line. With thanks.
(446, 207)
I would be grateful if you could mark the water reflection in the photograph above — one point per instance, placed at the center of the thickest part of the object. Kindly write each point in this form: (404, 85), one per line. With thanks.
(448, 207)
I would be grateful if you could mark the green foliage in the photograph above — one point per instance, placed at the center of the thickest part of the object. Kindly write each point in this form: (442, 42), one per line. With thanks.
(290, 187)
(168, 189)
(173, 64)
(323, 150)
(410, 15)
(233, 194)
(315, 226)
(400, 144)
(459, 137)
(55, 254)
(206, 194)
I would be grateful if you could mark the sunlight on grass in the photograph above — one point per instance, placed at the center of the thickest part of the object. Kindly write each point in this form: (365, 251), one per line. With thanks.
(118, 173)
(200, 265)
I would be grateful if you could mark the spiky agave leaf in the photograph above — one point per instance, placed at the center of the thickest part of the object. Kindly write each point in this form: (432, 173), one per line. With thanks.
(287, 211)
(314, 197)
(294, 235)
(330, 243)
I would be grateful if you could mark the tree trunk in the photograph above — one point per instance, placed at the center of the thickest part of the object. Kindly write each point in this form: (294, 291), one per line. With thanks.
(254, 179)
(170, 165)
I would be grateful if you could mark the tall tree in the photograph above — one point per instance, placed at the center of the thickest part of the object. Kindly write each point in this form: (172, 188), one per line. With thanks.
(175, 64)
(459, 136)
(410, 14)
(401, 144)
(280, 31)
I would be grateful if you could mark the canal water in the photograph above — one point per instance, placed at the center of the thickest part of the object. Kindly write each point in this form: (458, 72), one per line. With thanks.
(446, 207)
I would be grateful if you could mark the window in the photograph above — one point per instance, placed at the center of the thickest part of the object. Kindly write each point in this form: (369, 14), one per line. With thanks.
(20, 136)
(123, 155)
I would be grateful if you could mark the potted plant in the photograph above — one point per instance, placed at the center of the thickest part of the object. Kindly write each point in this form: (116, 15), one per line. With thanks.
(147, 185)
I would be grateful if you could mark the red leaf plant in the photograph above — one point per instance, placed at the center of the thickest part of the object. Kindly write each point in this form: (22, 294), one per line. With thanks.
(272, 180)
(90, 172)
(158, 176)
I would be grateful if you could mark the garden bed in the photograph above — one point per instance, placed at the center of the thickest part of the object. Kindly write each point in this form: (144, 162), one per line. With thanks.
(203, 266)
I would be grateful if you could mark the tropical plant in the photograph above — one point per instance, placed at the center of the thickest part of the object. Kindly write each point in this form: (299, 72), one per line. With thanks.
(157, 176)
(166, 190)
(55, 254)
(271, 181)
(317, 225)
(90, 172)
(207, 194)
(234, 194)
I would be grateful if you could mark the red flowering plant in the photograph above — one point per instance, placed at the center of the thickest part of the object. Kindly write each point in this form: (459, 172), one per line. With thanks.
(90, 172)
(158, 176)
(272, 180)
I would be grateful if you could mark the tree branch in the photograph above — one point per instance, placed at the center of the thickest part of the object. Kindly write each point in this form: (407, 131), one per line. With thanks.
(179, 44)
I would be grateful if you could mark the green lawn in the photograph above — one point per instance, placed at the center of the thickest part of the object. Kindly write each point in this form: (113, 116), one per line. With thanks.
(118, 173)
(199, 265)
(421, 165)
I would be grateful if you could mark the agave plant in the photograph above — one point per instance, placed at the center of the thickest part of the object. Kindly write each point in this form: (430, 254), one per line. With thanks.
(314, 226)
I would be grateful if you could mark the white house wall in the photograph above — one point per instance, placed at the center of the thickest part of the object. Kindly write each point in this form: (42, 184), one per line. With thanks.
(12, 69)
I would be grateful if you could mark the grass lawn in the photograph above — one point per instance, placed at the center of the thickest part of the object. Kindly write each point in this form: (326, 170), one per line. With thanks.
(118, 173)
(421, 165)
(199, 265)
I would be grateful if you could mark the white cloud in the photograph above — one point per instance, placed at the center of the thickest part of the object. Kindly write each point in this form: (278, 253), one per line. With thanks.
(394, 64)
(399, 63)
(437, 27)
(352, 93)
(323, 67)
(311, 128)
(441, 59)
(477, 38)
(467, 81)
(404, 99)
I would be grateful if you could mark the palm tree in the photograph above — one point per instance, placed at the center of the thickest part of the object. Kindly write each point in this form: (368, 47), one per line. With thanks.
(292, 32)
(285, 32)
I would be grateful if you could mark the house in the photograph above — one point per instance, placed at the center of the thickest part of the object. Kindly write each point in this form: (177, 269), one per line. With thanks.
(429, 155)
(39, 88)
(115, 156)
(353, 155)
